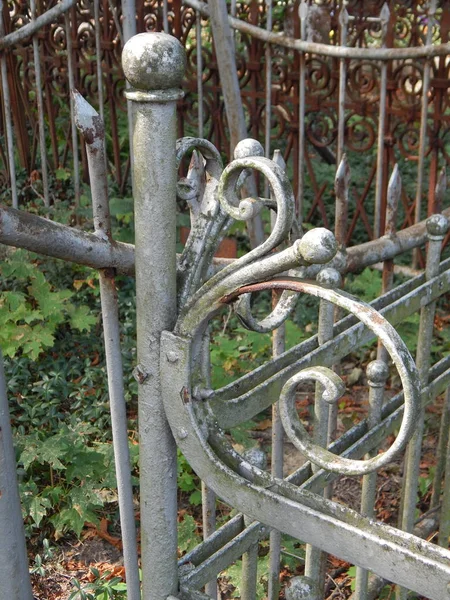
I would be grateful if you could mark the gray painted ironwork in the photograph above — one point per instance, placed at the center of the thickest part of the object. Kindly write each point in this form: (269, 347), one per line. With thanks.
(177, 405)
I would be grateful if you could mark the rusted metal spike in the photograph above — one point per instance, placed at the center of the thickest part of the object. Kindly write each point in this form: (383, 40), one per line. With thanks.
(441, 188)
(343, 17)
(88, 120)
(341, 187)
(393, 198)
(278, 159)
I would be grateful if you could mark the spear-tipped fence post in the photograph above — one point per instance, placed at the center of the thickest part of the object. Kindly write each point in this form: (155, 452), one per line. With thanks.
(154, 64)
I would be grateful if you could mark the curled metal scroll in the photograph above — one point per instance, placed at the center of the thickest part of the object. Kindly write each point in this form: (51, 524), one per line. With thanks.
(333, 389)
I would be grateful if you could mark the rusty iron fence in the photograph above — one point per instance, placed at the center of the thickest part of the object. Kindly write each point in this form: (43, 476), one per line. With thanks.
(177, 298)
(361, 79)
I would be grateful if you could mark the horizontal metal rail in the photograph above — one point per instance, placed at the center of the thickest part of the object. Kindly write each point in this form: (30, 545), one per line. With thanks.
(280, 39)
(50, 16)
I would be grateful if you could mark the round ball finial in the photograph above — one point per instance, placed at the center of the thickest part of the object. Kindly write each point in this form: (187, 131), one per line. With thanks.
(301, 588)
(247, 148)
(437, 226)
(154, 61)
(377, 373)
(317, 246)
(329, 277)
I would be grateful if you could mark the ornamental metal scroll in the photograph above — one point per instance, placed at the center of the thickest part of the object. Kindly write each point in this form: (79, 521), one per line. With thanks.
(218, 203)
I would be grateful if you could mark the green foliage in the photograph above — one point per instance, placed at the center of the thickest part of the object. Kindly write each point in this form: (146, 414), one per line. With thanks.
(31, 309)
(188, 482)
(103, 587)
(234, 576)
(188, 537)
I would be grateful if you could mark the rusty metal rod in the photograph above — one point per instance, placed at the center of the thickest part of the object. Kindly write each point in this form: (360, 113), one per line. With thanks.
(325, 49)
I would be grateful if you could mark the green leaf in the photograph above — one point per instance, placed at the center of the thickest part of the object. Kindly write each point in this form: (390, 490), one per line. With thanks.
(80, 317)
(187, 534)
(37, 508)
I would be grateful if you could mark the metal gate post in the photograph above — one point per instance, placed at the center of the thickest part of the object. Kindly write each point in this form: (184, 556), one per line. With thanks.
(154, 64)
(14, 578)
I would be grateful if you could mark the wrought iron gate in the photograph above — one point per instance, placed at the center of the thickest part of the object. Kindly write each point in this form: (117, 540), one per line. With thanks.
(177, 296)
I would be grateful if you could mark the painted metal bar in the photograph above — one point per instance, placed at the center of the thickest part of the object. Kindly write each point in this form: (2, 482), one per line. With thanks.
(303, 12)
(377, 374)
(128, 31)
(426, 51)
(25, 230)
(71, 77)
(223, 43)
(392, 201)
(257, 458)
(277, 450)
(384, 20)
(268, 70)
(40, 106)
(155, 92)
(91, 127)
(423, 123)
(198, 41)
(444, 520)
(8, 117)
(437, 227)
(98, 52)
(14, 577)
(209, 526)
(166, 16)
(441, 453)
(343, 24)
(315, 559)
(50, 16)
(117, 24)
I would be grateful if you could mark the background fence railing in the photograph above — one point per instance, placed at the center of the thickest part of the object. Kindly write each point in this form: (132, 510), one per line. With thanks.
(382, 112)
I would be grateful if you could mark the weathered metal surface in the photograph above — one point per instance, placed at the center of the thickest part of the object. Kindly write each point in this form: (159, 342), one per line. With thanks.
(176, 402)
(14, 577)
(91, 127)
(307, 517)
(154, 65)
(348, 109)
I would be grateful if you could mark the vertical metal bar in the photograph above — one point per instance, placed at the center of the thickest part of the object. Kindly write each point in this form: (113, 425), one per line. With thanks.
(198, 36)
(40, 107)
(341, 187)
(209, 526)
(377, 374)
(315, 559)
(437, 227)
(8, 118)
(223, 43)
(154, 101)
(343, 22)
(384, 21)
(98, 52)
(393, 199)
(278, 347)
(208, 496)
(303, 12)
(423, 124)
(441, 453)
(268, 54)
(70, 72)
(258, 458)
(14, 578)
(444, 521)
(165, 16)
(91, 126)
(128, 31)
